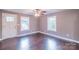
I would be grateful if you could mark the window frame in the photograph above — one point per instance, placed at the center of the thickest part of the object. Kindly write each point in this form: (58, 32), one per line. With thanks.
(28, 23)
(10, 18)
(50, 26)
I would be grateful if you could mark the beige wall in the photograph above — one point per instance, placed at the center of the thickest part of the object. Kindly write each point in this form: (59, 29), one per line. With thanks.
(0, 24)
(33, 22)
(66, 25)
(76, 27)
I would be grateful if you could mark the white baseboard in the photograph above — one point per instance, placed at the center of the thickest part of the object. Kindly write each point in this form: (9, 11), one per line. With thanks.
(0, 39)
(21, 35)
(27, 34)
(63, 38)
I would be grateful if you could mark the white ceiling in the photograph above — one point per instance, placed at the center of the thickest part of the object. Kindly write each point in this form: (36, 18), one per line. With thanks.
(30, 11)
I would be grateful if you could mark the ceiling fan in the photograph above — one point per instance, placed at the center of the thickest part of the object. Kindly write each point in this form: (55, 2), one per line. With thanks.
(39, 12)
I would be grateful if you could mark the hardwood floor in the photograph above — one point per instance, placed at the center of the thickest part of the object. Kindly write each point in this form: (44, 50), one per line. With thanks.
(37, 42)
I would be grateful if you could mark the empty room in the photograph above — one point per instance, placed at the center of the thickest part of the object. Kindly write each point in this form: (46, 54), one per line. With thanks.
(39, 29)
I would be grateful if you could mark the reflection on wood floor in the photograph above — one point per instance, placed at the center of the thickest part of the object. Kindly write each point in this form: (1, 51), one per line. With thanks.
(37, 42)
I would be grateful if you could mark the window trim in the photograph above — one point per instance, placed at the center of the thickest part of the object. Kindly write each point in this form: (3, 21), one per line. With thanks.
(55, 24)
(28, 23)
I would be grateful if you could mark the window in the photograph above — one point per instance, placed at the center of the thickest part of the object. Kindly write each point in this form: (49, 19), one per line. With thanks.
(51, 23)
(9, 18)
(24, 23)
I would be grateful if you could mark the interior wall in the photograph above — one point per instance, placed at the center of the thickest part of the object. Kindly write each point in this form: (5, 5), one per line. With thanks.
(38, 23)
(65, 24)
(0, 24)
(32, 19)
(76, 27)
(32, 25)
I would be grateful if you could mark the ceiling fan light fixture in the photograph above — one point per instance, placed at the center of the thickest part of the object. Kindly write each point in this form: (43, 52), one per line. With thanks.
(37, 15)
(37, 12)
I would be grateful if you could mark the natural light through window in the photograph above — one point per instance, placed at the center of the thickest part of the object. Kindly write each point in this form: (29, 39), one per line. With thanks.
(51, 44)
(9, 18)
(51, 23)
(24, 43)
(24, 23)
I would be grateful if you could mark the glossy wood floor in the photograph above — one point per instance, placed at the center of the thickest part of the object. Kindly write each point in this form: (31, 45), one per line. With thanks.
(37, 42)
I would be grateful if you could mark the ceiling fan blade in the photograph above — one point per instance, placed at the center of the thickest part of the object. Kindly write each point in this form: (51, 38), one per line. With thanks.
(43, 11)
